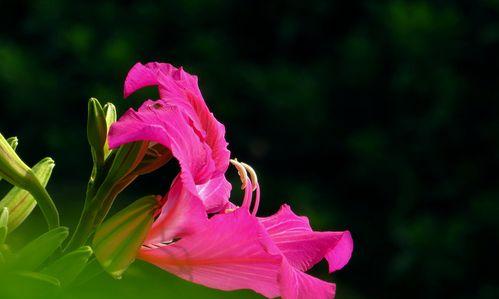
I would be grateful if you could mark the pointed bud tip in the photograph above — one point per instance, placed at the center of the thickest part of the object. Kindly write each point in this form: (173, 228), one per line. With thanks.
(13, 141)
(48, 162)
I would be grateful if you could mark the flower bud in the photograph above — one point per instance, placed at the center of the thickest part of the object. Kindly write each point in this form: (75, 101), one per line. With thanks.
(13, 170)
(13, 141)
(96, 130)
(69, 266)
(117, 241)
(19, 201)
(110, 115)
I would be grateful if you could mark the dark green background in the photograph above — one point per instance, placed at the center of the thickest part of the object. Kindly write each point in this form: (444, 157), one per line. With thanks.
(380, 117)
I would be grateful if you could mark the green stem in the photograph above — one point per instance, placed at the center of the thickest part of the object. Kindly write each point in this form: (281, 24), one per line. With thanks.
(45, 203)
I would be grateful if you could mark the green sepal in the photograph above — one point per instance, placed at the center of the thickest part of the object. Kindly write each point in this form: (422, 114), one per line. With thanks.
(127, 158)
(19, 201)
(155, 157)
(96, 130)
(31, 256)
(69, 266)
(117, 241)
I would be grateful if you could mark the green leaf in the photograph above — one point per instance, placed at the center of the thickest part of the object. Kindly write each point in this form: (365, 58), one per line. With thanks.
(31, 256)
(118, 240)
(4, 219)
(67, 268)
(19, 201)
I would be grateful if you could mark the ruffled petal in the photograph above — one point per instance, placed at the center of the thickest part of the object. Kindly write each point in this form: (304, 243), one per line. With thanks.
(158, 122)
(339, 256)
(303, 247)
(181, 88)
(182, 214)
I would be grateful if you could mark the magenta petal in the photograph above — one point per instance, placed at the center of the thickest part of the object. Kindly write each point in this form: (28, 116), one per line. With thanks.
(298, 285)
(138, 77)
(339, 255)
(215, 193)
(303, 247)
(180, 88)
(165, 124)
(182, 214)
(232, 252)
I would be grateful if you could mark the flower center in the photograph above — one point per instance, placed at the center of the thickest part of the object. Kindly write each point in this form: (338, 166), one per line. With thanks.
(249, 185)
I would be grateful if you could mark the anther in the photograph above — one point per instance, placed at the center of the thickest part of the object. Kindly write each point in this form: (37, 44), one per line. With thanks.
(252, 172)
(241, 170)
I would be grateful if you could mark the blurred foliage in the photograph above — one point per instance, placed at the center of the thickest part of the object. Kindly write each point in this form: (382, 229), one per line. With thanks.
(376, 116)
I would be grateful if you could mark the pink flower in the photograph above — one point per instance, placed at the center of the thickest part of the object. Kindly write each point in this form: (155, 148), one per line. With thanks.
(234, 249)
(237, 250)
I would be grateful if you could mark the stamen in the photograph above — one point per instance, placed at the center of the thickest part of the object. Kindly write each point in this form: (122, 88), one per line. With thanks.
(241, 170)
(249, 185)
(248, 195)
(257, 200)
(252, 172)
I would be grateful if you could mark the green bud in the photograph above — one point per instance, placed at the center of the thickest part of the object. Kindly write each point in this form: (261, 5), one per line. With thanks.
(13, 141)
(117, 241)
(69, 266)
(19, 201)
(13, 169)
(110, 115)
(96, 130)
